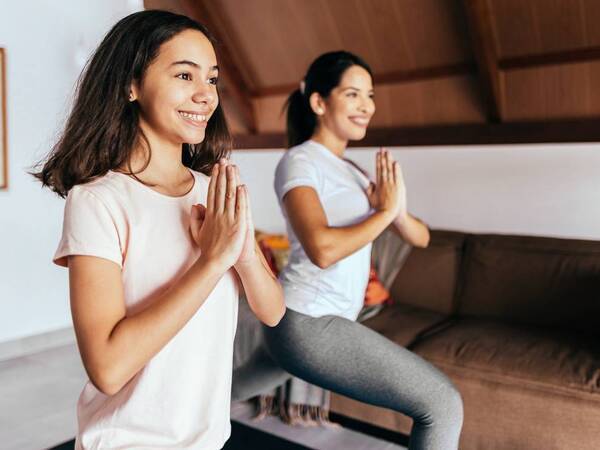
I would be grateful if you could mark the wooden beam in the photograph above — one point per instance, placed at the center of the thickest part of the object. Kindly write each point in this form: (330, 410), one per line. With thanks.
(405, 76)
(550, 59)
(481, 35)
(585, 130)
(236, 88)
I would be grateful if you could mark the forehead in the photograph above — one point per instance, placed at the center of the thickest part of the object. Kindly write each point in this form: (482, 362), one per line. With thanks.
(356, 76)
(190, 45)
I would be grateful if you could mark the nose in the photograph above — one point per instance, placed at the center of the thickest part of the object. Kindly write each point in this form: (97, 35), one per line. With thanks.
(367, 106)
(205, 95)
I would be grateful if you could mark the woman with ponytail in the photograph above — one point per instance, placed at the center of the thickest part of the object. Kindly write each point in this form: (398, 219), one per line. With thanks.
(157, 237)
(333, 214)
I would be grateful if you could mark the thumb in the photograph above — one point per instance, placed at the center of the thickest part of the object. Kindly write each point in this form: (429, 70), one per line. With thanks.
(198, 212)
(371, 188)
(201, 211)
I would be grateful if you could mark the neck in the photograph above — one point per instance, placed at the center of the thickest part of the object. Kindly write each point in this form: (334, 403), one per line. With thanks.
(165, 166)
(334, 143)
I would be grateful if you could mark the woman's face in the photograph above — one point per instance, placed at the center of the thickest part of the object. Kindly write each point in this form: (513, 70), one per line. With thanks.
(178, 93)
(350, 105)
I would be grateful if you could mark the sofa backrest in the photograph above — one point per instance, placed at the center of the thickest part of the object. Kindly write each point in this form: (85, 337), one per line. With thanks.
(532, 280)
(428, 278)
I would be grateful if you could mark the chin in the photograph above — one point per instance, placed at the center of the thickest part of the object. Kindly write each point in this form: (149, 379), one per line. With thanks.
(195, 139)
(357, 135)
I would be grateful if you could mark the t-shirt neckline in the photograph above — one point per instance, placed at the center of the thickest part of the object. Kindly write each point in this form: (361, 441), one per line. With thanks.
(159, 194)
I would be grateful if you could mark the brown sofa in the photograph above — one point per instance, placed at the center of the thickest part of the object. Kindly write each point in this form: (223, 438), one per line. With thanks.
(514, 321)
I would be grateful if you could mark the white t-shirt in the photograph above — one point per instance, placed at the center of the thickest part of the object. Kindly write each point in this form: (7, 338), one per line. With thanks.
(181, 398)
(339, 289)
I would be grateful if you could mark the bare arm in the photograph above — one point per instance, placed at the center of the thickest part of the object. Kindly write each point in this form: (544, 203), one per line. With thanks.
(107, 335)
(114, 346)
(411, 230)
(263, 291)
(325, 245)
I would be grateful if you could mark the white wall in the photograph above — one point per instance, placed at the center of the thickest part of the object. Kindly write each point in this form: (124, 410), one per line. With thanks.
(551, 190)
(45, 42)
(543, 190)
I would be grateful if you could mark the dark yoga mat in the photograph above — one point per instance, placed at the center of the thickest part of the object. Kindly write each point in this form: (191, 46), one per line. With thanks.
(243, 437)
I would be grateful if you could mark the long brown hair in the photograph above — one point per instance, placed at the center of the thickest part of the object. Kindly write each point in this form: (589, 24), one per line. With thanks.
(102, 129)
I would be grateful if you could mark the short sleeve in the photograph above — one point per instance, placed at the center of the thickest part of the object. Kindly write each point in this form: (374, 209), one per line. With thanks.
(88, 229)
(296, 170)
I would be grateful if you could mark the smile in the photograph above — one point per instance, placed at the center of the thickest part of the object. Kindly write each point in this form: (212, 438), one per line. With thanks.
(196, 118)
(360, 121)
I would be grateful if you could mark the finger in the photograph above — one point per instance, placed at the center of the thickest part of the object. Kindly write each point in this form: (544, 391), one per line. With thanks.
(378, 168)
(241, 206)
(248, 210)
(396, 171)
(201, 211)
(221, 188)
(384, 167)
(231, 192)
(390, 165)
(371, 188)
(210, 196)
(400, 175)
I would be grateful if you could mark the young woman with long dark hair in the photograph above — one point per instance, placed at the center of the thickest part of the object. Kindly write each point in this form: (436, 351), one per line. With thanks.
(157, 237)
(333, 214)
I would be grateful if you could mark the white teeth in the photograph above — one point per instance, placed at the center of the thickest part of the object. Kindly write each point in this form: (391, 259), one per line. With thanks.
(194, 117)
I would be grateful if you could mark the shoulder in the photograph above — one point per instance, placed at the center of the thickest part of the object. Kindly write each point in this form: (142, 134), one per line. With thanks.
(303, 155)
(102, 187)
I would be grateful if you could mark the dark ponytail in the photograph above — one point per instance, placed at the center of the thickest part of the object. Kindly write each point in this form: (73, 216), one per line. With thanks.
(322, 76)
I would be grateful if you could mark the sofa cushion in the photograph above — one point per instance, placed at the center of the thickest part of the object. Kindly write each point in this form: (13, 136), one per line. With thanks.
(403, 324)
(540, 359)
(428, 278)
(533, 280)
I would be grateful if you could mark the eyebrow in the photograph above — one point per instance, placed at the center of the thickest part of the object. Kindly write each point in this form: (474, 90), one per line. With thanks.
(186, 62)
(355, 89)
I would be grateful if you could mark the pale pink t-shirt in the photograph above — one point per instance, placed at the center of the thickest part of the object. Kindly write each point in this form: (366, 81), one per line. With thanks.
(181, 398)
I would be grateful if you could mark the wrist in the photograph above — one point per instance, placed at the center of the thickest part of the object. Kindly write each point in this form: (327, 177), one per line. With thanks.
(247, 264)
(387, 214)
(401, 219)
(212, 266)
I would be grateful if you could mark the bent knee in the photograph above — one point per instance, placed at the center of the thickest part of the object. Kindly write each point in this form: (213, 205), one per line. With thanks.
(444, 406)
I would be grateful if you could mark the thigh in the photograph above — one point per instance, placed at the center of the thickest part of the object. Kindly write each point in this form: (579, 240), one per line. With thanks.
(353, 360)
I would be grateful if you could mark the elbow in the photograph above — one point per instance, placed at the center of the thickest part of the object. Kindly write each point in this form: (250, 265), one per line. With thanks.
(320, 257)
(424, 242)
(274, 320)
(105, 382)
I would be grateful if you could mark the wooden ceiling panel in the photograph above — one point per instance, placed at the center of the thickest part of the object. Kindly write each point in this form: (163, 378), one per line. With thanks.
(417, 103)
(392, 36)
(553, 92)
(534, 27)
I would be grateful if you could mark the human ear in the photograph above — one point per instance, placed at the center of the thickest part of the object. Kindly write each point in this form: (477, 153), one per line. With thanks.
(317, 104)
(133, 92)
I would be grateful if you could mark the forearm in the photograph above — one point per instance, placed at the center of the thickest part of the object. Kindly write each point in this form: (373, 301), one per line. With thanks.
(263, 291)
(137, 338)
(411, 230)
(335, 243)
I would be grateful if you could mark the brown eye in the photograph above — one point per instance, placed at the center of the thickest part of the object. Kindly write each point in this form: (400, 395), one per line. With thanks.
(213, 80)
(185, 76)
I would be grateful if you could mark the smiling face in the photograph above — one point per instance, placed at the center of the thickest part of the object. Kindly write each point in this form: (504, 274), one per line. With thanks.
(178, 92)
(348, 109)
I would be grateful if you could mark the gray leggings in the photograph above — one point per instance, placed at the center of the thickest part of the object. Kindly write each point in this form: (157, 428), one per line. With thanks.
(353, 360)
